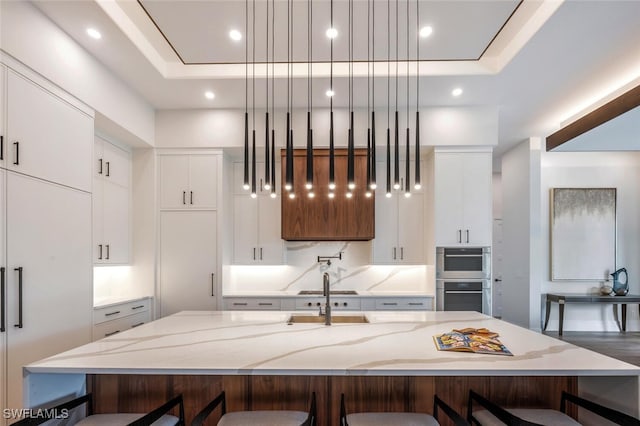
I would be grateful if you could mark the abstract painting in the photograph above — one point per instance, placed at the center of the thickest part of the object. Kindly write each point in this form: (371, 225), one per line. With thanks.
(583, 233)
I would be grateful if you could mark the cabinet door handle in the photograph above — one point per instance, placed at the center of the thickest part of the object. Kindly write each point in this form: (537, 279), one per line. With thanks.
(108, 168)
(1, 147)
(19, 324)
(260, 253)
(191, 197)
(2, 301)
(112, 333)
(213, 283)
(254, 253)
(261, 188)
(394, 253)
(401, 253)
(107, 247)
(100, 165)
(459, 235)
(467, 235)
(100, 252)
(184, 194)
(17, 145)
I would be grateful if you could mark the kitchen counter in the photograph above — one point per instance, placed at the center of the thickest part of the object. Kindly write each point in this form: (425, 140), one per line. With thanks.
(296, 293)
(393, 343)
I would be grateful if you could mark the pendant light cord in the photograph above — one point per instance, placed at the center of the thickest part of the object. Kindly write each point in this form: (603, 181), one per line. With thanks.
(388, 63)
(253, 66)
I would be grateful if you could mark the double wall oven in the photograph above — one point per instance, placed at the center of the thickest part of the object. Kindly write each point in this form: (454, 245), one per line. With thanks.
(463, 279)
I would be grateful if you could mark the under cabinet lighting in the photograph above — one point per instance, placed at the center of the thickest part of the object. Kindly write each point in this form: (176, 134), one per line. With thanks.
(93, 33)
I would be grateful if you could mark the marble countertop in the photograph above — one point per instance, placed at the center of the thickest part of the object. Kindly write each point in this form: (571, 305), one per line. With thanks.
(110, 301)
(262, 343)
(295, 293)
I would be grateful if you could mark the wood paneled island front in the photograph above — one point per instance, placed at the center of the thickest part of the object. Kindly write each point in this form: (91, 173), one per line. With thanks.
(263, 362)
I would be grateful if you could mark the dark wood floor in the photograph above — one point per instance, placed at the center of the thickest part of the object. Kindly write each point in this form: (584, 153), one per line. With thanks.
(622, 346)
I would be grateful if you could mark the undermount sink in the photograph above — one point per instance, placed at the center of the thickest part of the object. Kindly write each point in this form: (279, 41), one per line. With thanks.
(317, 319)
(319, 292)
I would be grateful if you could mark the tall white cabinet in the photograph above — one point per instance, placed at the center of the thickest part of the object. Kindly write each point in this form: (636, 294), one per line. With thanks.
(400, 230)
(257, 237)
(45, 225)
(462, 191)
(189, 228)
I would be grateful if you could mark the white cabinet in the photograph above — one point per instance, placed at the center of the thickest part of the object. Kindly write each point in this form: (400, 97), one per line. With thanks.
(252, 303)
(46, 136)
(188, 261)
(256, 224)
(111, 201)
(462, 192)
(118, 317)
(48, 261)
(188, 181)
(400, 237)
(414, 303)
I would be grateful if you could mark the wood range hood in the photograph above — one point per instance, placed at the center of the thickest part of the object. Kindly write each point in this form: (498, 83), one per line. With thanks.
(321, 218)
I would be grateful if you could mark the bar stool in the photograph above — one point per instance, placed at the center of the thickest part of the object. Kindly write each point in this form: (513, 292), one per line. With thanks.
(257, 417)
(157, 417)
(400, 418)
(493, 414)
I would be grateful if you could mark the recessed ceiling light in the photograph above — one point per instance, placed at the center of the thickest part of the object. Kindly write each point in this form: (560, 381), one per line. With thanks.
(330, 93)
(93, 33)
(426, 31)
(456, 92)
(235, 35)
(332, 33)
(209, 95)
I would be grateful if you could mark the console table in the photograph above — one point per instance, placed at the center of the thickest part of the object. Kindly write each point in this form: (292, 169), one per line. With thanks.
(563, 298)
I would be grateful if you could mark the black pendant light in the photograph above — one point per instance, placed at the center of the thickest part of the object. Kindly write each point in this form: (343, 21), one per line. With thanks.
(289, 149)
(309, 183)
(350, 141)
(418, 182)
(372, 183)
(368, 188)
(267, 165)
(368, 185)
(273, 95)
(388, 192)
(332, 180)
(396, 143)
(253, 103)
(246, 97)
(407, 177)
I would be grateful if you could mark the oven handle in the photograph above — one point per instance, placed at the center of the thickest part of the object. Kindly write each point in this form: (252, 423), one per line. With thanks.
(463, 291)
(463, 255)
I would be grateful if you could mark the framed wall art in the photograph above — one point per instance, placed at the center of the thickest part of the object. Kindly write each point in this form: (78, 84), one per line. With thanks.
(583, 233)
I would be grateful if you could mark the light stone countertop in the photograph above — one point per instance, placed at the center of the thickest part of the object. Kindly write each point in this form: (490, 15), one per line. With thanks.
(296, 293)
(262, 343)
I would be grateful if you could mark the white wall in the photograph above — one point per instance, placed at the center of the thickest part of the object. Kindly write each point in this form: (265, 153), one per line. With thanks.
(450, 126)
(31, 38)
(598, 170)
(521, 234)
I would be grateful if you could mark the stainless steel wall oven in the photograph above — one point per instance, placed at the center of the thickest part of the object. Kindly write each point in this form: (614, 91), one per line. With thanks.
(463, 279)
(463, 262)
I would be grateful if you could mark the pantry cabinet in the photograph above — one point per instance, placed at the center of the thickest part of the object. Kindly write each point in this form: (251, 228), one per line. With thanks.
(399, 224)
(462, 191)
(256, 222)
(111, 203)
(45, 225)
(188, 181)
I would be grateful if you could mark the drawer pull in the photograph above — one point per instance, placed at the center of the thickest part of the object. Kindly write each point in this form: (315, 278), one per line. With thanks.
(416, 303)
(390, 303)
(137, 307)
(112, 333)
(137, 325)
(111, 313)
(240, 304)
(265, 304)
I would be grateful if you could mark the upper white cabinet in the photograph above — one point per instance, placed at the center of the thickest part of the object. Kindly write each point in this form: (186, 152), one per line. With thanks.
(463, 198)
(399, 222)
(47, 137)
(111, 203)
(256, 221)
(188, 181)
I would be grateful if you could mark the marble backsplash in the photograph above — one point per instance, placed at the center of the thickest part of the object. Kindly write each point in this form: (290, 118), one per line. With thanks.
(302, 271)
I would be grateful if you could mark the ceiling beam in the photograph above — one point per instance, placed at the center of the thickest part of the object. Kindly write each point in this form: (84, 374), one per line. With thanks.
(618, 106)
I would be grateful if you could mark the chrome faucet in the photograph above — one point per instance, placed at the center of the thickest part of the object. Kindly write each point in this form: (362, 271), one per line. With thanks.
(326, 289)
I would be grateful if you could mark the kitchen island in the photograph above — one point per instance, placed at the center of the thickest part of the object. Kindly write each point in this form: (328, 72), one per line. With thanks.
(263, 362)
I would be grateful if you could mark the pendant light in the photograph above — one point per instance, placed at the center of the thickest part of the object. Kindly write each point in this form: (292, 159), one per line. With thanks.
(246, 98)
(267, 165)
(309, 184)
(368, 186)
(396, 147)
(388, 192)
(273, 95)
(332, 181)
(253, 104)
(372, 183)
(350, 141)
(407, 187)
(289, 149)
(417, 182)
(292, 194)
